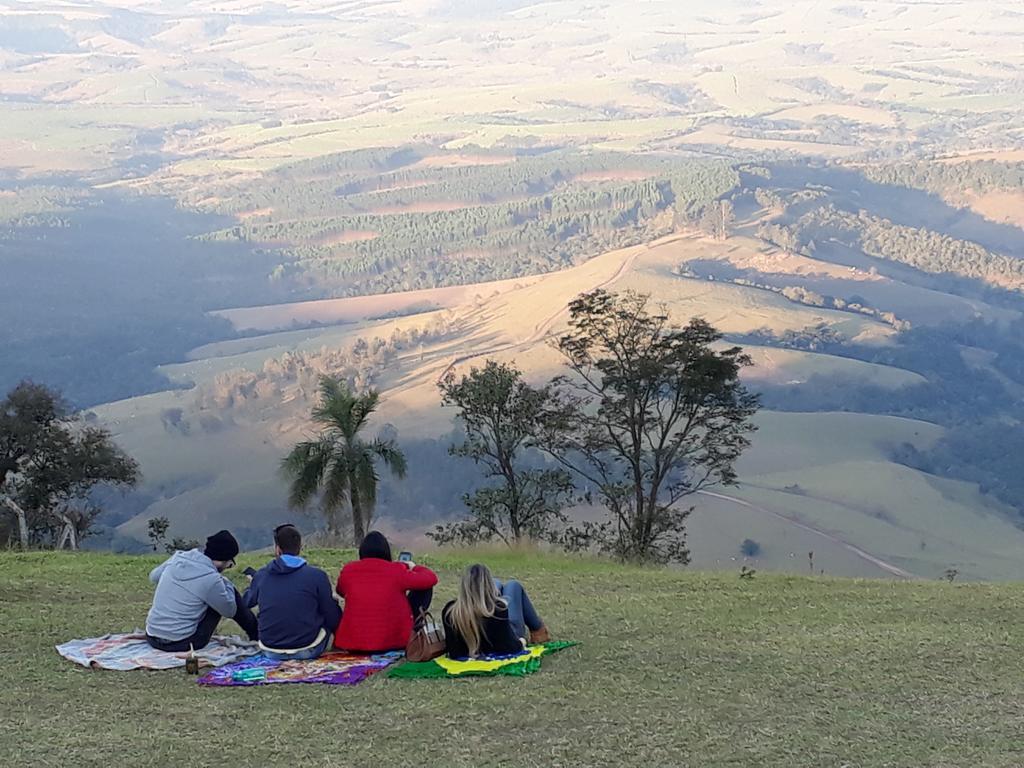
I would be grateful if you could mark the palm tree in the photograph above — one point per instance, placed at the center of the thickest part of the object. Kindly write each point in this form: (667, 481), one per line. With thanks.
(340, 463)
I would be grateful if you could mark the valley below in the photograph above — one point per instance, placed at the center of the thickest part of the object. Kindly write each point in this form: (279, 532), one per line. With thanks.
(204, 208)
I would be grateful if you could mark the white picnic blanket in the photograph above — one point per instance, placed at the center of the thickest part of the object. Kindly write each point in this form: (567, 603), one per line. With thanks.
(131, 651)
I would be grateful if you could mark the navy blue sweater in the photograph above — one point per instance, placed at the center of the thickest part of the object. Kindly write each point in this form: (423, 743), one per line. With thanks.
(295, 602)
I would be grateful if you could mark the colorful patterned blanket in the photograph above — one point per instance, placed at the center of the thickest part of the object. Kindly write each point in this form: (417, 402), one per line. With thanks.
(518, 665)
(131, 651)
(334, 668)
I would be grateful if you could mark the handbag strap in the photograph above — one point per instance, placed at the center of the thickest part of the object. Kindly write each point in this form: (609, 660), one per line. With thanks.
(426, 619)
(423, 618)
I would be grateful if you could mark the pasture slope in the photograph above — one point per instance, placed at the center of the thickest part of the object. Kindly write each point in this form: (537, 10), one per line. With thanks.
(815, 482)
(680, 669)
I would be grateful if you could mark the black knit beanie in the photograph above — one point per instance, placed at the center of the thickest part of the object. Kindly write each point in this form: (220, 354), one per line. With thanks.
(221, 546)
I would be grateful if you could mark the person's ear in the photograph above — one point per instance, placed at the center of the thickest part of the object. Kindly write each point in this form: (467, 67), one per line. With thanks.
(277, 551)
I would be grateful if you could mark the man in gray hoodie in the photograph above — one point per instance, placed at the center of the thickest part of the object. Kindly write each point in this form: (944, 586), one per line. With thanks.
(192, 595)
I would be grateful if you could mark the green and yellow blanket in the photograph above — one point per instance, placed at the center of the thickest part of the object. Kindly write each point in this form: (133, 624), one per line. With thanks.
(518, 665)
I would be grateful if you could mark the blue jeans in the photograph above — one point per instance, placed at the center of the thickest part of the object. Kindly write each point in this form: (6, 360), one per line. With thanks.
(305, 655)
(521, 613)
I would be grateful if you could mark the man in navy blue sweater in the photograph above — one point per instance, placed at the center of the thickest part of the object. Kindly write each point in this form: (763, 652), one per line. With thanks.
(297, 609)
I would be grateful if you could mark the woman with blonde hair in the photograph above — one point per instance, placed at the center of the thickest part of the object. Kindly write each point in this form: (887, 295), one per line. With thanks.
(490, 617)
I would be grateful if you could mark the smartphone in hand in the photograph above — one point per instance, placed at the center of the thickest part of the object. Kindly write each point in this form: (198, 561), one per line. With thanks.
(404, 556)
(250, 571)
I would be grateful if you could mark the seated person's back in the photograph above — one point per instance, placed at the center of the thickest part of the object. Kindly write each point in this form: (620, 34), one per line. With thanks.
(378, 594)
(477, 622)
(192, 595)
(296, 603)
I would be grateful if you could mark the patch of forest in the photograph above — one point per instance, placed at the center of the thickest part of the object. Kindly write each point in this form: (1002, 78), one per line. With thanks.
(295, 377)
(923, 249)
(340, 225)
(944, 178)
(37, 205)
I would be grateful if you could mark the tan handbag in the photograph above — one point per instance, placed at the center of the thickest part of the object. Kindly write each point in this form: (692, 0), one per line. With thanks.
(427, 641)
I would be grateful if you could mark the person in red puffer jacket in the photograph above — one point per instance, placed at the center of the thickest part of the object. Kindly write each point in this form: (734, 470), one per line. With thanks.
(381, 598)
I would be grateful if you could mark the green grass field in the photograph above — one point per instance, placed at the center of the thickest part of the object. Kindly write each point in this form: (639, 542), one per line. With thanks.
(675, 669)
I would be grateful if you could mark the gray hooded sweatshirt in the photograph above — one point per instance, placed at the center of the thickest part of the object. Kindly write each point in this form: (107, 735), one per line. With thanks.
(186, 585)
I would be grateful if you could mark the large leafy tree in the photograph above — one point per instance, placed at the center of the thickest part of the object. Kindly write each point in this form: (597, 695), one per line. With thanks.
(50, 460)
(498, 412)
(648, 414)
(339, 464)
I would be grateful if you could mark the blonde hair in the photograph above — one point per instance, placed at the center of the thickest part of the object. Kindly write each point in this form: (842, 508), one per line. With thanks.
(478, 599)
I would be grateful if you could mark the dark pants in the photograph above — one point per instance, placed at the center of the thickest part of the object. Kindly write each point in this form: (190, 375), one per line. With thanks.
(419, 602)
(207, 626)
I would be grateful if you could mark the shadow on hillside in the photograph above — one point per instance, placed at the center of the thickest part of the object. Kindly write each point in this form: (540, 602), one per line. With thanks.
(903, 205)
(118, 279)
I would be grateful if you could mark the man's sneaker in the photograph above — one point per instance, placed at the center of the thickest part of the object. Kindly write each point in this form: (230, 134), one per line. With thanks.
(538, 636)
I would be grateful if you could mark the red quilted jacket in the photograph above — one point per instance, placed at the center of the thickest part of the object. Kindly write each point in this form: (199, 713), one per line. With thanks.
(377, 616)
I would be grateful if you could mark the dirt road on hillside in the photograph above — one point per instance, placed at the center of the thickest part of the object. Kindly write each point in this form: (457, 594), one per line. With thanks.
(867, 556)
(544, 327)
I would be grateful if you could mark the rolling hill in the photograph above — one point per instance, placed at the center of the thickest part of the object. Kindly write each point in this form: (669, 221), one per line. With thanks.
(203, 206)
(812, 482)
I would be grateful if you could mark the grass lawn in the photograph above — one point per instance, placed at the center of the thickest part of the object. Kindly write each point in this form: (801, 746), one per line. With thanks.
(675, 669)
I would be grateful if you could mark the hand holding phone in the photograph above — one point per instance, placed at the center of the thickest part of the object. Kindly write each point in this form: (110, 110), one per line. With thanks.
(250, 572)
(405, 556)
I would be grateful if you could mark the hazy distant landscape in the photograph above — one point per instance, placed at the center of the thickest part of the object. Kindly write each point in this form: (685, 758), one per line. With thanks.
(204, 206)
